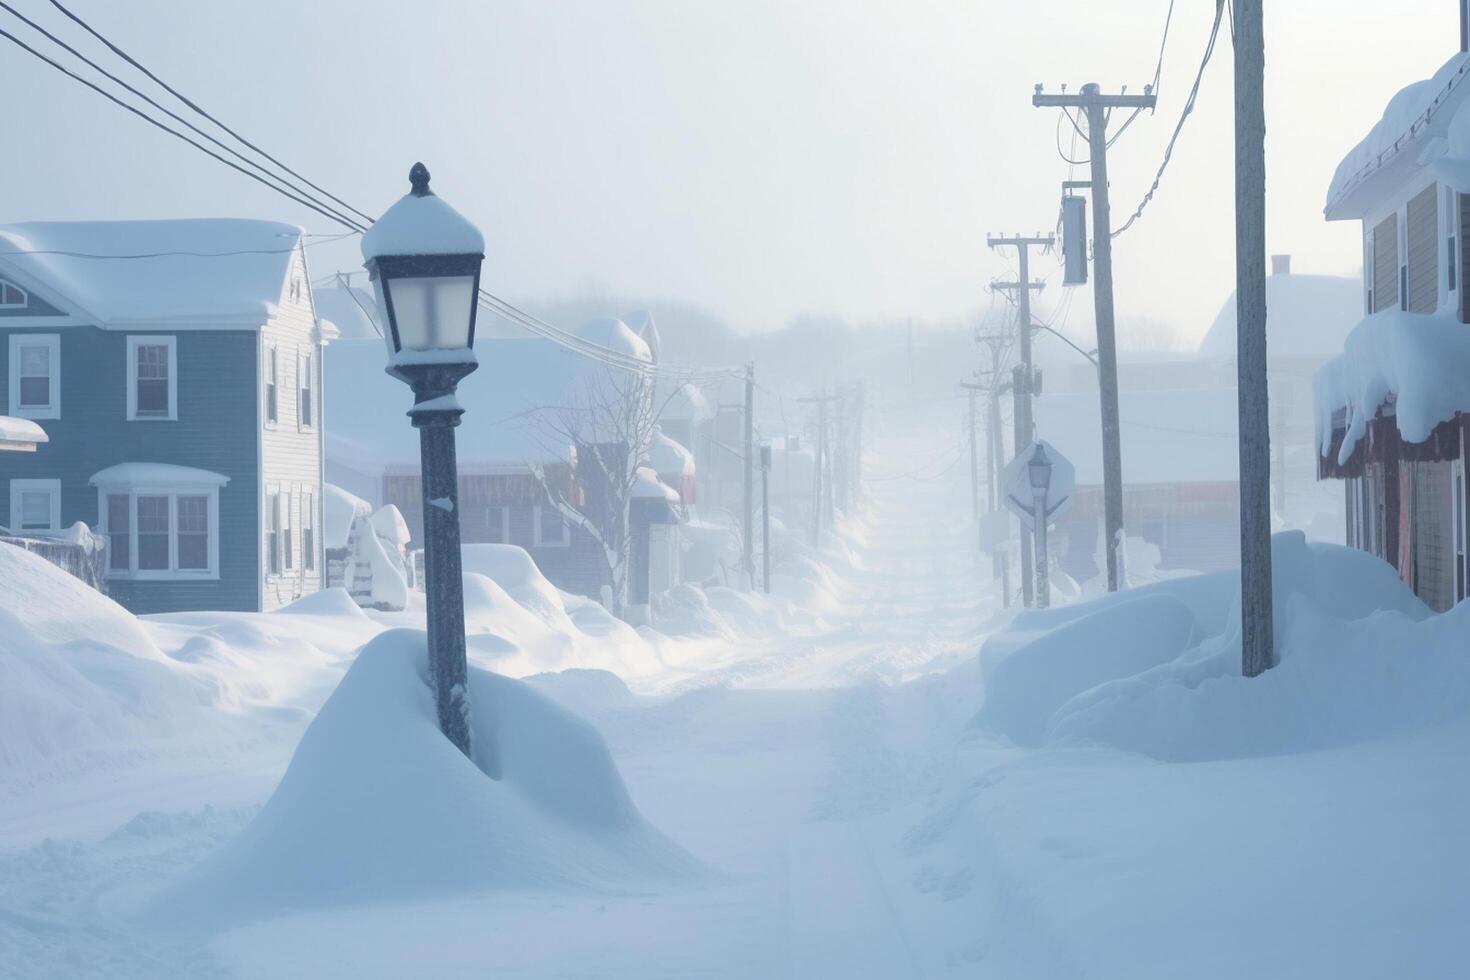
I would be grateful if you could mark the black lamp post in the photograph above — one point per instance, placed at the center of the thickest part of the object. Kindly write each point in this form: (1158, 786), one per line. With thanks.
(1039, 470)
(424, 261)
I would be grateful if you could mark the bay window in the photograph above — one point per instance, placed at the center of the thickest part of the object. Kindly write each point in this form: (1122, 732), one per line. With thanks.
(160, 521)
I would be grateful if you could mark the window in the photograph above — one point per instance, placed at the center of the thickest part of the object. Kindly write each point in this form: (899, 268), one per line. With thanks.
(161, 522)
(273, 533)
(303, 374)
(308, 531)
(288, 557)
(193, 533)
(153, 536)
(35, 375)
(11, 295)
(119, 523)
(272, 378)
(497, 525)
(152, 378)
(551, 529)
(35, 505)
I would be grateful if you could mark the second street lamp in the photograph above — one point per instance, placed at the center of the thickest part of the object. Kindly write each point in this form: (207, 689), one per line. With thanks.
(424, 260)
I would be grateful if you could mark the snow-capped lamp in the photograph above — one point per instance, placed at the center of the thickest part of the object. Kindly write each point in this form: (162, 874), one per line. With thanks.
(424, 260)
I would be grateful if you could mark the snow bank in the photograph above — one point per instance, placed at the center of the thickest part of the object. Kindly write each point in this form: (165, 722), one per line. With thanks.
(76, 669)
(512, 568)
(1421, 361)
(1357, 655)
(339, 510)
(377, 805)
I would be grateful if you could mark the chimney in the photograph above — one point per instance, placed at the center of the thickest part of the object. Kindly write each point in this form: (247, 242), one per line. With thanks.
(1281, 264)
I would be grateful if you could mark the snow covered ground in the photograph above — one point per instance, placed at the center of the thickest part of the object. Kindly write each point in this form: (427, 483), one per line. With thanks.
(871, 775)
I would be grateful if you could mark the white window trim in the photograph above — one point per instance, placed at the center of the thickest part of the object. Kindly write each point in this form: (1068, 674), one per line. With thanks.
(52, 341)
(17, 487)
(538, 540)
(288, 534)
(268, 527)
(25, 293)
(308, 522)
(309, 390)
(160, 340)
(173, 492)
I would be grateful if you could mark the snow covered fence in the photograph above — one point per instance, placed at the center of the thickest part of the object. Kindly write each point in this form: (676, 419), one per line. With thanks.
(77, 551)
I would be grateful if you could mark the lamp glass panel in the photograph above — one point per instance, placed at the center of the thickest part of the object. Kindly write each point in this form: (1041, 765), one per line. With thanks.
(433, 312)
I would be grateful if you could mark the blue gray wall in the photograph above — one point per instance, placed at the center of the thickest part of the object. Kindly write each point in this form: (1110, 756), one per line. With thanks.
(216, 430)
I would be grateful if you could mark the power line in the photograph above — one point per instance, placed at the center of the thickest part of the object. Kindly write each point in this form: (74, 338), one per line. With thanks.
(193, 105)
(1158, 69)
(1188, 108)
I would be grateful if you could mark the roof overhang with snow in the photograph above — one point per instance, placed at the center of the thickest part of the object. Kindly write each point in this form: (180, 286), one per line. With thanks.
(156, 475)
(195, 274)
(20, 435)
(1408, 138)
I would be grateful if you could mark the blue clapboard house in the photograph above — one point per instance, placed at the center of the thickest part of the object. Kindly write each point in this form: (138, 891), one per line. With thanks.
(175, 367)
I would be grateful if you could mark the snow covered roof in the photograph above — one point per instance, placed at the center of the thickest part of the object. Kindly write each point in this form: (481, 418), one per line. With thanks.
(512, 404)
(421, 225)
(156, 475)
(339, 510)
(21, 435)
(649, 487)
(684, 403)
(1185, 435)
(1421, 362)
(1305, 315)
(668, 457)
(1409, 135)
(197, 270)
(350, 310)
(614, 334)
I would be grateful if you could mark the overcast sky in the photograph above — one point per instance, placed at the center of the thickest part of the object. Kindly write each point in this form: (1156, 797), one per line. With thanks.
(763, 157)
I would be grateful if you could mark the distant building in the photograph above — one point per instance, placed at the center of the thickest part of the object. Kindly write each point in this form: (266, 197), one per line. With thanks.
(176, 367)
(1390, 408)
(518, 423)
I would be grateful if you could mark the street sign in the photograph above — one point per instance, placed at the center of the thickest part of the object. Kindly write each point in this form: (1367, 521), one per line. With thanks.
(1020, 494)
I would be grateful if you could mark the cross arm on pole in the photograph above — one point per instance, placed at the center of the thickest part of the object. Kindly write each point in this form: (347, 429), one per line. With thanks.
(1033, 284)
(1088, 100)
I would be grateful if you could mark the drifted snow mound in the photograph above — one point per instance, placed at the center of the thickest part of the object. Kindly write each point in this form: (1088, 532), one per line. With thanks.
(1358, 655)
(377, 805)
(513, 569)
(490, 612)
(1024, 691)
(77, 670)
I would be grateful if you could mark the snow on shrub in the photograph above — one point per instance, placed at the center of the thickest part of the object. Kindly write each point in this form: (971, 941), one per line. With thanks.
(377, 805)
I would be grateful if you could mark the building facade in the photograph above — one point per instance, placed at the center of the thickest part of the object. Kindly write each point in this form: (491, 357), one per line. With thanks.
(176, 369)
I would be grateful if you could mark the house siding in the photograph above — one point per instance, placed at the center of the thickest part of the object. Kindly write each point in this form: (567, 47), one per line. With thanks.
(291, 453)
(215, 430)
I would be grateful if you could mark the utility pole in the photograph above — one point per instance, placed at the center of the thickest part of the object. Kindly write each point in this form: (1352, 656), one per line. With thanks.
(1097, 106)
(1025, 373)
(766, 516)
(974, 453)
(857, 451)
(995, 451)
(1022, 437)
(819, 463)
(1250, 292)
(749, 460)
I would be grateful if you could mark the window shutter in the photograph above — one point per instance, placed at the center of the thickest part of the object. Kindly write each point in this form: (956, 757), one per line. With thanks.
(1386, 264)
(1422, 248)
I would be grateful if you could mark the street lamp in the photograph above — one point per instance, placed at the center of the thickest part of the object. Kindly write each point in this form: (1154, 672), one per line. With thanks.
(424, 260)
(1039, 470)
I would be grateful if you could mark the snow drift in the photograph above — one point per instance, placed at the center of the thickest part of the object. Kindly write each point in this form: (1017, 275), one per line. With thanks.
(376, 804)
(1157, 671)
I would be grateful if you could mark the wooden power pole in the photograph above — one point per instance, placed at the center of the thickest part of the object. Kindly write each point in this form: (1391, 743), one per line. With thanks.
(749, 525)
(1096, 105)
(1250, 292)
(1025, 372)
